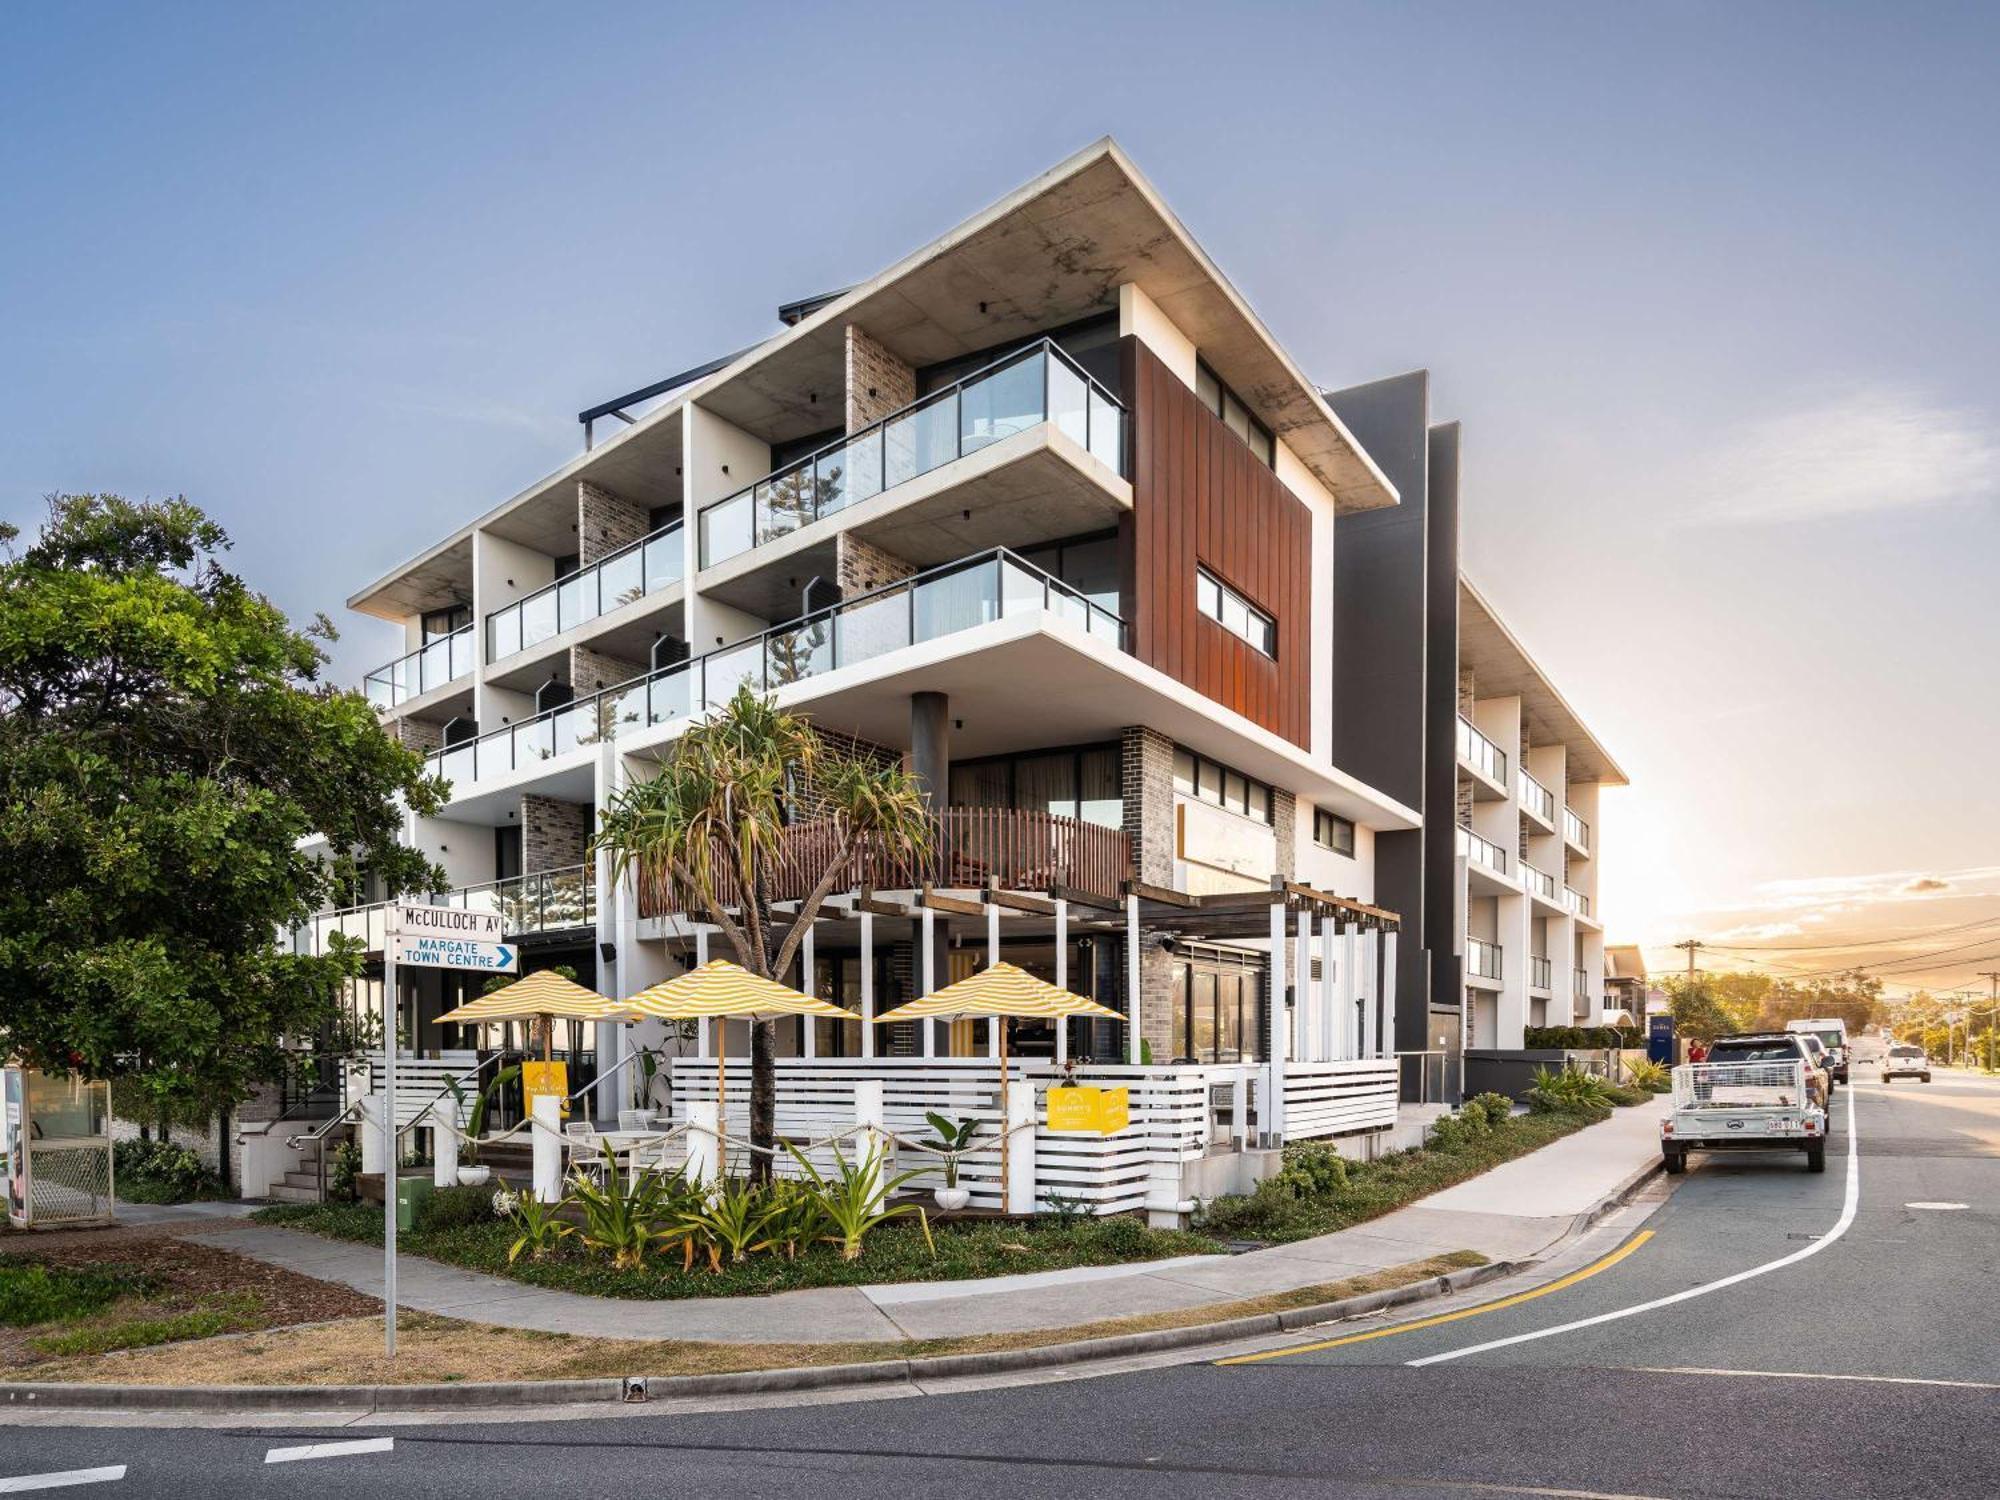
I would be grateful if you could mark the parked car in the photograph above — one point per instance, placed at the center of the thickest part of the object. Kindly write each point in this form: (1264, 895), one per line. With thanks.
(1777, 1046)
(1821, 1058)
(1906, 1061)
(1756, 1093)
(1832, 1032)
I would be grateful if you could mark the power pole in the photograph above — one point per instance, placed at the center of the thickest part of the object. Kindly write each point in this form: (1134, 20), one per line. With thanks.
(1693, 946)
(1992, 977)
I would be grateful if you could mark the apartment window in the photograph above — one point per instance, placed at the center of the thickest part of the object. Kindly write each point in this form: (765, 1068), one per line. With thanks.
(1086, 782)
(1221, 400)
(1204, 780)
(439, 623)
(1088, 564)
(1332, 831)
(1234, 613)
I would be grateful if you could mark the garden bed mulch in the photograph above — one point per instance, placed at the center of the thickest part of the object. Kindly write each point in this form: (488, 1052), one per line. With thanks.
(173, 1278)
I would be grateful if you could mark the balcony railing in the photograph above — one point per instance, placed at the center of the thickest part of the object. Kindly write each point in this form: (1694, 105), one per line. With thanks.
(1576, 830)
(1576, 901)
(1541, 973)
(528, 904)
(1481, 753)
(1583, 984)
(1538, 799)
(1027, 388)
(431, 665)
(632, 572)
(1482, 851)
(1540, 882)
(954, 597)
(1482, 959)
(1020, 848)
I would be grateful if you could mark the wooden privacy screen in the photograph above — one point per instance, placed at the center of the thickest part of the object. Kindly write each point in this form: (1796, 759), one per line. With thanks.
(1200, 497)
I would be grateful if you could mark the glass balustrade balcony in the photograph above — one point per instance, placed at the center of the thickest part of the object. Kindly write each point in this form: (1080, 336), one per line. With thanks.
(1576, 830)
(1538, 799)
(1482, 959)
(957, 596)
(1482, 851)
(431, 665)
(1477, 751)
(1540, 882)
(632, 572)
(1541, 974)
(1576, 901)
(1029, 387)
(1583, 984)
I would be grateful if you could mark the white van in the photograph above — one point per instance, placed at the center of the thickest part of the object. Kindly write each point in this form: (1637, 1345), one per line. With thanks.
(1832, 1033)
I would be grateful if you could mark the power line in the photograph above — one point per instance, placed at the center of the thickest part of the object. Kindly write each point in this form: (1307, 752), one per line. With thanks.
(1854, 943)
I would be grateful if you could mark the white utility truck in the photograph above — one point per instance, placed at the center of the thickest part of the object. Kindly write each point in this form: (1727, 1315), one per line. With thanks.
(1744, 1106)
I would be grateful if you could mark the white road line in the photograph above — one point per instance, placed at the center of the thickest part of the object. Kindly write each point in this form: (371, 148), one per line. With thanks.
(1847, 1210)
(329, 1450)
(61, 1481)
(1964, 1385)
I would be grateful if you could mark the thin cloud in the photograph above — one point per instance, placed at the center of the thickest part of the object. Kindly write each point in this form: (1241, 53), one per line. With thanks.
(1874, 450)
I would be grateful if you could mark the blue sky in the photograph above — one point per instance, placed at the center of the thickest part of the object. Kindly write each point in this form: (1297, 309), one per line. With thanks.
(1710, 286)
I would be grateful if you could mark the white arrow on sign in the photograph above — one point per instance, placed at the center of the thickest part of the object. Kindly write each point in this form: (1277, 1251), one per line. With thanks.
(456, 953)
(407, 919)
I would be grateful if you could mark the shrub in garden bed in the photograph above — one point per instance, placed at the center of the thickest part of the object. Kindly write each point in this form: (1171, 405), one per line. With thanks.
(161, 1172)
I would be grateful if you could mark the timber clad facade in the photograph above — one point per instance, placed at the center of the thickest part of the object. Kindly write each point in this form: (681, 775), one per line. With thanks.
(1202, 500)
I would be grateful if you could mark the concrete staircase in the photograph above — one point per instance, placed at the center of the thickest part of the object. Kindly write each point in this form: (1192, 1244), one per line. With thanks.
(301, 1184)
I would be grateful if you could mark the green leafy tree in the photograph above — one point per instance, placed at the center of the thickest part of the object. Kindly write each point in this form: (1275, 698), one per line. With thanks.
(1704, 1010)
(709, 834)
(165, 748)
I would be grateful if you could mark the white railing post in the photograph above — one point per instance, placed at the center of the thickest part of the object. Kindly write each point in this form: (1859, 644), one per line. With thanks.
(546, 1128)
(1020, 1125)
(993, 1023)
(1239, 1109)
(444, 1144)
(1312, 997)
(704, 1144)
(808, 1027)
(1333, 978)
(868, 984)
(702, 1046)
(374, 1144)
(1389, 993)
(926, 982)
(1132, 1024)
(871, 1145)
(1273, 1122)
(1350, 990)
(1062, 976)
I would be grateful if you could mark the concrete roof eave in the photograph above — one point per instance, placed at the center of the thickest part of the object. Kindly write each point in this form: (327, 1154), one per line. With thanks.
(1502, 667)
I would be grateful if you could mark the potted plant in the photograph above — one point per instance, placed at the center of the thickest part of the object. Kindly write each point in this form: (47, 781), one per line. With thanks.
(952, 1139)
(470, 1172)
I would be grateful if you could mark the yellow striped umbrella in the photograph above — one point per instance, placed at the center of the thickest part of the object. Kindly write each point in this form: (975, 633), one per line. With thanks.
(721, 990)
(1002, 992)
(541, 996)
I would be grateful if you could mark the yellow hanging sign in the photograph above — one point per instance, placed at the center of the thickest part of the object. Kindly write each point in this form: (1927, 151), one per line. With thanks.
(545, 1078)
(1089, 1111)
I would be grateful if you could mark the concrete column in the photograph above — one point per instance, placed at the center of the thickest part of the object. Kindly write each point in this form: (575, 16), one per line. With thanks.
(1335, 983)
(444, 1144)
(926, 981)
(993, 957)
(1020, 1148)
(1389, 992)
(808, 1026)
(930, 746)
(871, 1147)
(374, 1139)
(1312, 997)
(1274, 1116)
(703, 1143)
(1062, 977)
(868, 984)
(1132, 995)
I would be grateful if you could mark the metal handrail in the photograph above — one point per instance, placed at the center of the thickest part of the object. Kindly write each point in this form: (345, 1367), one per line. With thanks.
(595, 702)
(809, 462)
(394, 695)
(519, 607)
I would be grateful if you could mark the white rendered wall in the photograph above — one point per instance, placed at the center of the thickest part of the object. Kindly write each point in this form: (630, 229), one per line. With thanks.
(1139, 317)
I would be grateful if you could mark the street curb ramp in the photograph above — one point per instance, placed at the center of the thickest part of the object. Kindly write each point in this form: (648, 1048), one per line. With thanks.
(83, 1396)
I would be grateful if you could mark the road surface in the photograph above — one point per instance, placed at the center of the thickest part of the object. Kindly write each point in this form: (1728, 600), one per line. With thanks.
(1794, 1335)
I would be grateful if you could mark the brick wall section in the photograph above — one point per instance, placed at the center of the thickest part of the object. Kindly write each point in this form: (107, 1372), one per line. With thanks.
(590, 670)
(1464, 801)
(862, 566)
(805, 801)
(1156, 994)
(878, 383)
(1467, 691)
(419, 735)
(1147, 758)
(554, 833)
(1285, 824)
(605, 522)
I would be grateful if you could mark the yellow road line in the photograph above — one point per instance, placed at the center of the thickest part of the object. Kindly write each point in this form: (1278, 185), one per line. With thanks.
(1452, 1317)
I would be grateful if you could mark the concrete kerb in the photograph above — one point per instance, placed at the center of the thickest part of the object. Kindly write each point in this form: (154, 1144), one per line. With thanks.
(73, 1396)
(1617, 1198)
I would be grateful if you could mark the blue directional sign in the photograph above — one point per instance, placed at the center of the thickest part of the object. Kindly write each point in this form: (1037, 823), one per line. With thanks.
(457, 953)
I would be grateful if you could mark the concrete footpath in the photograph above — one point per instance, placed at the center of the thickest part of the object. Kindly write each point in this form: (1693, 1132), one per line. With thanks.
(1515, 1212)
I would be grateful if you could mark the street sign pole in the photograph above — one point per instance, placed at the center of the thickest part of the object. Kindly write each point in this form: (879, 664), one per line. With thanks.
(392, 1012)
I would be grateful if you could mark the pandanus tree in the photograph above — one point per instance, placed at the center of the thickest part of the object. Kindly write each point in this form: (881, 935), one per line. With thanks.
(718, 835)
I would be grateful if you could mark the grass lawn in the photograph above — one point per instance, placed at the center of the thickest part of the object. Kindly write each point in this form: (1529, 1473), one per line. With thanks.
(894, 1252)
(92, 1294)
(432, 1349)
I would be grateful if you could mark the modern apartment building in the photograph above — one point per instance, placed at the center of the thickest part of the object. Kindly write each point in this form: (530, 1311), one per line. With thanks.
(1439, 703)
(1047, 512)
